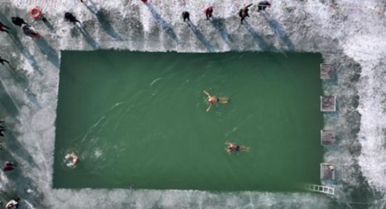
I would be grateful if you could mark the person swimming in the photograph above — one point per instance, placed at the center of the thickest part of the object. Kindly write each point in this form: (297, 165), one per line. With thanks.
(213, 100)
(235, 148)
(73, 159)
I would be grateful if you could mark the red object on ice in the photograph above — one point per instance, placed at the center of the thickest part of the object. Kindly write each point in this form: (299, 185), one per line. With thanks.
(209, 10)
(144, 1)
(35, 13)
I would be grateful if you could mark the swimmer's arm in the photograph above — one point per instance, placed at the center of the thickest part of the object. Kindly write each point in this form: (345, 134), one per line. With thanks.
(205, 92)
(210, 105)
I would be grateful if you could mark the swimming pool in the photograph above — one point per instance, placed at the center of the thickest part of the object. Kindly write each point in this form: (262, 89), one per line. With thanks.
(139, 120)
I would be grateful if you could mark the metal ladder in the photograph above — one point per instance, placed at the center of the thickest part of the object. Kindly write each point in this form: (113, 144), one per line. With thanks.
(320, 188)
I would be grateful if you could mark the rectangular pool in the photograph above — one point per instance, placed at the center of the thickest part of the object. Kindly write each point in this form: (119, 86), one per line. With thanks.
(139, 119)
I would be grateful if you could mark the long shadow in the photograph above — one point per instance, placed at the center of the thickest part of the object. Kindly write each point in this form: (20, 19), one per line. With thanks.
(201, 37)
(88, 38)
(277, 29)
(93, 9)
(13, 144)
(8, 102)
(17, 77)
(22, 82)
(32, 61)
(101, 16)
(49, 25)
(258, 39)
(218, 23)
(46, 49)
(19, 186)
(32, 98)
(165, 26)
(19, 45)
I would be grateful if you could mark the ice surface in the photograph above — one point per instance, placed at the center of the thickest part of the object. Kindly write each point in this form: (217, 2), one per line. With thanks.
(349, 33)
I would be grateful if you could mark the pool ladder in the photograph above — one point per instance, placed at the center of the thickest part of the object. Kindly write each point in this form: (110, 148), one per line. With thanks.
(320, 188)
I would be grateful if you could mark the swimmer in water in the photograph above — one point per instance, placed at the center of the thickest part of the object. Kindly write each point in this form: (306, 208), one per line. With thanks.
(73, 158)
(233, 147)
(214, 100)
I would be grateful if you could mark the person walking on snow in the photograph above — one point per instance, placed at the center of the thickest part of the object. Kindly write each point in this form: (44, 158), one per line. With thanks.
(28, 31)
(243, 13)
(18, 21)
(70, 18)
(185, 16)
(209, 12)
(263, 5)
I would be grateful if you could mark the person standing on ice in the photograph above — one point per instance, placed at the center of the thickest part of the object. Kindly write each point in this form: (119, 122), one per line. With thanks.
(263, 5)
(2, 62)
(12, 204)
(9, 166)
(2, 129)
(209, 12)
(2, 26)
(28, 31)
(185, 15)
(18, 21)
(70, 18)
(243, 13)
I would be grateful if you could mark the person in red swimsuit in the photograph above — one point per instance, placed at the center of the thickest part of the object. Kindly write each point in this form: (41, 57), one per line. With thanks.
(233, 147)
(213, 100)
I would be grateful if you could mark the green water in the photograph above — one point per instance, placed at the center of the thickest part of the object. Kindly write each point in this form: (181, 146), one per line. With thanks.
(140, 118)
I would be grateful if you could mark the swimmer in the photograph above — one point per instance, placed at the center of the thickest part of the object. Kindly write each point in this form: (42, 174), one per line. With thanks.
(233, 147)
(73, 158)
(214, 100)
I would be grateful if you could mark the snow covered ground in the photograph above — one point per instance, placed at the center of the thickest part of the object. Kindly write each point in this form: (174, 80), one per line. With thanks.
(349, 33)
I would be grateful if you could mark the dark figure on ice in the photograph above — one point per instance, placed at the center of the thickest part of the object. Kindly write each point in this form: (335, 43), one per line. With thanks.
(2, 129)
(18, 21)
(28, 31)
(209, 12)
(243, 13)
(9, 166)
(263, 5)
(3, 27)
(2, 62)
(70, 18)
(185, 16)
(12, 204)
